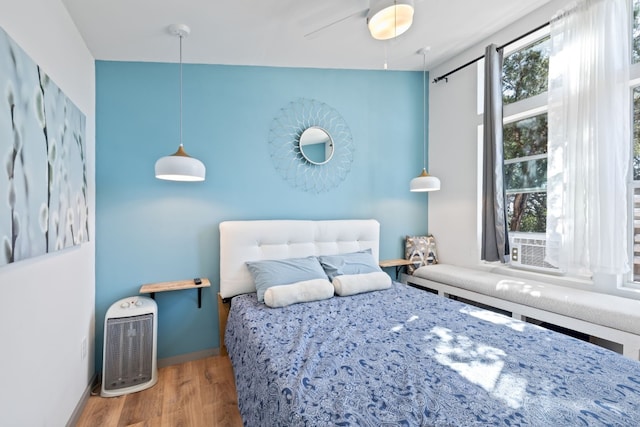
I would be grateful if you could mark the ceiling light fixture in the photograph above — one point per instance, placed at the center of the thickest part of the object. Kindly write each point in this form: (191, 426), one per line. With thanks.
(180, 166)
(388, 19)
(424, 181)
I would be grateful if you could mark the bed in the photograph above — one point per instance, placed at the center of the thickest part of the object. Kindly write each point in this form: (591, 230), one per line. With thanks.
(400, 356)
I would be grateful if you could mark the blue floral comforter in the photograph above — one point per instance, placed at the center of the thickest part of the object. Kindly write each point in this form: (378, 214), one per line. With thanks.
(405, 357)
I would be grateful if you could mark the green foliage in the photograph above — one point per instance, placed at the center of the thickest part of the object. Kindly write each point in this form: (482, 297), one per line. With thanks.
(526, 175)
(527, 212)
(525, 137)
(635, 57)
(635, 52)
(636, 133)
(525, 72)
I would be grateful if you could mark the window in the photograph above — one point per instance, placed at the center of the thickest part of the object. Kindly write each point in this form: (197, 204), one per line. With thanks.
(525, 170)
(525, 131)
(635, 157)
(635, 186)
(525, 71)
(524, 76)
(524, 94)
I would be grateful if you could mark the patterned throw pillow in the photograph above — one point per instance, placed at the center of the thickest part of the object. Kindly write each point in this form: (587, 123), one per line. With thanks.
(421, 250)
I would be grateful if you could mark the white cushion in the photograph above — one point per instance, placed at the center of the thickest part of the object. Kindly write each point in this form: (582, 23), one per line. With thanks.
(305, 291)
(601, 309)
(268, 273)
(351, 284)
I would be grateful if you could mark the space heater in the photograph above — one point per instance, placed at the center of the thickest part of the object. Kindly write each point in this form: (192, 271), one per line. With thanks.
(130, 346)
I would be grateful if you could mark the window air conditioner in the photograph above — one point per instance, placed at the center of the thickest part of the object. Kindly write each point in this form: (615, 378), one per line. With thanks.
(528, 251)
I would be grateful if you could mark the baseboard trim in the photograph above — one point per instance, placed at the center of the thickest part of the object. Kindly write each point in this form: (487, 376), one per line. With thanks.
(188, 357)
(77, 412)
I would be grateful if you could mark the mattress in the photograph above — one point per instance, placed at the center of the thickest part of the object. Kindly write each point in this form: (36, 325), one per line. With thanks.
(406, 357)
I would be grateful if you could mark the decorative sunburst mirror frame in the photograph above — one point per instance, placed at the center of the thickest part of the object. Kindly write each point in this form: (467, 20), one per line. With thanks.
(284, 145)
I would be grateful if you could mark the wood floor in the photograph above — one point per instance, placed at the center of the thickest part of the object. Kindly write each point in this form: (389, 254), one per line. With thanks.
(198, 393)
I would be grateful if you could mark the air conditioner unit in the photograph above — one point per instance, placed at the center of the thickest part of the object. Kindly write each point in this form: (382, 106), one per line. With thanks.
(130, 345)
(528, 250)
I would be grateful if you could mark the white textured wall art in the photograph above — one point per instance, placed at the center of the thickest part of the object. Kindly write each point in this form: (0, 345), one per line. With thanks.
(43, 178)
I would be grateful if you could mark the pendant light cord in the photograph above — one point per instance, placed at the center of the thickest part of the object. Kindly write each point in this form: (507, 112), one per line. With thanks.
(180, 89)
(424, 109)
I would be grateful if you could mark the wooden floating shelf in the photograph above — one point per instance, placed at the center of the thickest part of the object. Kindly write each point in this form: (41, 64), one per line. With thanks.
(173, 286)
(394, 263)
(397, 263)
(178, 285)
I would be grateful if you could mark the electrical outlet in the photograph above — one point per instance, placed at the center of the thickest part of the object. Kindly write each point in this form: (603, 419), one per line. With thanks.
(84, 348)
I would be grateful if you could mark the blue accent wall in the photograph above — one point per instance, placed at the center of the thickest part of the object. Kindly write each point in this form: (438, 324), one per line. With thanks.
(148, 230)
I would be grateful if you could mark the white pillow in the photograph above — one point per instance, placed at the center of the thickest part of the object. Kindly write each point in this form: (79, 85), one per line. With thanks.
(305, 291)
(351, 284)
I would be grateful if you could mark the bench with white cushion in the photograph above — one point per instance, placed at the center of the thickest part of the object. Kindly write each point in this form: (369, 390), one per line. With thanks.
(609, 317)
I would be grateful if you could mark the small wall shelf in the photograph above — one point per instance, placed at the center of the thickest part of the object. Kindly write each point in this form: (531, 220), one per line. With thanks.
(152, 288)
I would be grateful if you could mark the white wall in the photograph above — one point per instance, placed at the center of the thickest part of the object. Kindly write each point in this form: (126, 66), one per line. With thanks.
(453, 146)
(48, 302)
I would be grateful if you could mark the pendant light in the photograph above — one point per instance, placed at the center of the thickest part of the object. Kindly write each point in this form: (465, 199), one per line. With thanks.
(388, 19)
(180, 166)
(424, 181)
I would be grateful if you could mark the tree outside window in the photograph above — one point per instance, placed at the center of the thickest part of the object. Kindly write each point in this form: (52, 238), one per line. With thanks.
(524, 75)
(635, 44)
(525, 72)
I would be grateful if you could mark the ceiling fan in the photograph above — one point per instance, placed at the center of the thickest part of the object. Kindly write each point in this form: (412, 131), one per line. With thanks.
(386, 19)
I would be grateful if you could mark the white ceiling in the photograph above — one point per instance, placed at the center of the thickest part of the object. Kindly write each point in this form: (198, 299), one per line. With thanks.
(272, 32)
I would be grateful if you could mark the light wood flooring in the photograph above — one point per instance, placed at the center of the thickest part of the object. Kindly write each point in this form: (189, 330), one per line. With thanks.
(192, 394)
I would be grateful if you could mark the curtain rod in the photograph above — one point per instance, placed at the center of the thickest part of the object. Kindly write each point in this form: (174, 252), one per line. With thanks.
(473, 61)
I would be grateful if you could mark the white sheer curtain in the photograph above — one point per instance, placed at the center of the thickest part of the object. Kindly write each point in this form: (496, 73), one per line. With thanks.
(589, 131)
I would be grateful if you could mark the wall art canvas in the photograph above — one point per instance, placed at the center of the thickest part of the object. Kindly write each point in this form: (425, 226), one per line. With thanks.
(43, 173)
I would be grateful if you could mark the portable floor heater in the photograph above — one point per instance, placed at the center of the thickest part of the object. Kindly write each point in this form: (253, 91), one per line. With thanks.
(130, 346)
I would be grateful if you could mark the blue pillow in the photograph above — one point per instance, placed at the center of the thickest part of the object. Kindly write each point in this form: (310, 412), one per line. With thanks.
(352, 263)
(277, 272)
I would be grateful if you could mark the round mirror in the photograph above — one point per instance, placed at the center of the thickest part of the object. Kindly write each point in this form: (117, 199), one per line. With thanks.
(316, 145)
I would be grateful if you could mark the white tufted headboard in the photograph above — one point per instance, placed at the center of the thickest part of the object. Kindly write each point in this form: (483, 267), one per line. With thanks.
(242, 241)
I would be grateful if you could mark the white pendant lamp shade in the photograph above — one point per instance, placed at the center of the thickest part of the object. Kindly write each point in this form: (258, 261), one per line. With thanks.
(180, 167)
(387, 19)
(424, 182)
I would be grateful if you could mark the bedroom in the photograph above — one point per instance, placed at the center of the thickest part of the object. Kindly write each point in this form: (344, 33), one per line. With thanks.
(155, 231)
